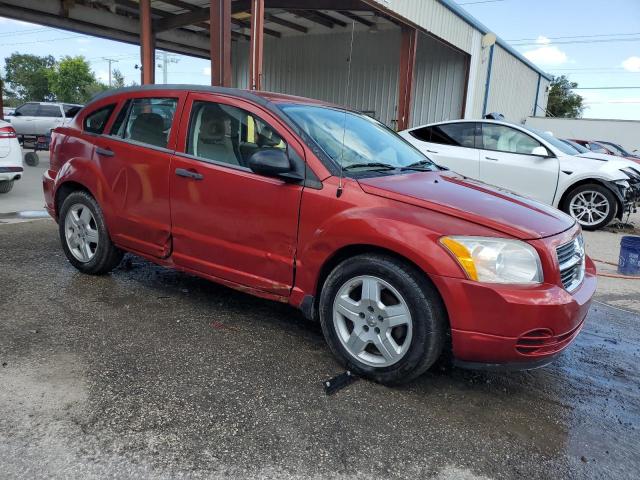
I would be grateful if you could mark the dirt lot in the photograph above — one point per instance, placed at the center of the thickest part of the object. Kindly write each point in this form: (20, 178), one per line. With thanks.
(155, 374)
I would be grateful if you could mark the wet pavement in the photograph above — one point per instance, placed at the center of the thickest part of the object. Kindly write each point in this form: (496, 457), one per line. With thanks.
(149, 373)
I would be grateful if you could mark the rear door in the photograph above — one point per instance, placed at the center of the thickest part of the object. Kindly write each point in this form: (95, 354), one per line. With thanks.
(227, 221)
(48, 117)
(451, 145)
(23, 119)
(134, 156)
(507, 161)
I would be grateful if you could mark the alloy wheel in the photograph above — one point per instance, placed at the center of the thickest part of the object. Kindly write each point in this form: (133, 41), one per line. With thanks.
(81, 232)
(373, 321)
(589, 207)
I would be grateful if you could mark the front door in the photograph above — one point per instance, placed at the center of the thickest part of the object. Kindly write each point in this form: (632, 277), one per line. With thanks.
(227, 221)
(135, 157)
(507, 161)
(24, 118)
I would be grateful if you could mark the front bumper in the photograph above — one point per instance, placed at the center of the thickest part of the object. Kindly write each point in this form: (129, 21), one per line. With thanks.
(11, 173)
(513, 326)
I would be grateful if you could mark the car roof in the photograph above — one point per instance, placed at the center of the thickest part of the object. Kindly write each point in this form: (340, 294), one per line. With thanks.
(467, 120)
(259, 97)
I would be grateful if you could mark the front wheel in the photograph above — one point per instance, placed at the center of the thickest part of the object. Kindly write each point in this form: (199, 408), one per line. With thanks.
(6, 186)
(592, 205)
(382, 318)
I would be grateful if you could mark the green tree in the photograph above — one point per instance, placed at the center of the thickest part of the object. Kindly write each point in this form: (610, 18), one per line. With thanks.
(118, 79)
(563, 103)
(27, 77)
(72, 80)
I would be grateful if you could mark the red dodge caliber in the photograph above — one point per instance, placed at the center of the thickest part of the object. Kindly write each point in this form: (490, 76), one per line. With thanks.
(328, 210)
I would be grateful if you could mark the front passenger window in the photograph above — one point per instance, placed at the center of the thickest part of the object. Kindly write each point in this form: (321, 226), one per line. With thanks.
(506, 139)
(226, 134)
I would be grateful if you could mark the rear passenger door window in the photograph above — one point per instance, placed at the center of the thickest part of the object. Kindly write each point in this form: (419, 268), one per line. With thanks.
(454, 134)
(227, 134)
(49, 111)
(96, 121)
(146, 120)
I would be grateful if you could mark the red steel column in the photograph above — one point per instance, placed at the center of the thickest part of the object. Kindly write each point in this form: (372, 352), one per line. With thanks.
(220, 33)
(257, 41)
(147, 44)
(408, 46)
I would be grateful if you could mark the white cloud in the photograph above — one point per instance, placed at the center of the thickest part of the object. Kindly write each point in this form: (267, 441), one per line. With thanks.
(542, 40)
(206, 71)
(103, 75)
(547, 55)
(83, 40)
(632, 64)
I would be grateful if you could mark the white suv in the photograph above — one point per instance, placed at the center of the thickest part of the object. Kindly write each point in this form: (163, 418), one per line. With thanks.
(10, 157)
(40, 118)
(591, 188)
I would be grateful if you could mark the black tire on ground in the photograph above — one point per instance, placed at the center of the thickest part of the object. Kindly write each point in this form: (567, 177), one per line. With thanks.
(428, 316)
(587, 189)
(31, 159)
(107, 255)
(6, 186)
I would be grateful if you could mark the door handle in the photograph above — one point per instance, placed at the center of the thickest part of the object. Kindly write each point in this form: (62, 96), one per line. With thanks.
(183, 172)
(492, 159)
(105, 152)
(431, 151)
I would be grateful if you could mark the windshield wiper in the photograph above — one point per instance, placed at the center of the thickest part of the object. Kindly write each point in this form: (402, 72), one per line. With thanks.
(372, 165)
(420, 166)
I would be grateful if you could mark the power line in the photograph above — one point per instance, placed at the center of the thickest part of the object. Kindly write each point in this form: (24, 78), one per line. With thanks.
(42, 41)
(606, 88)
(575, 36)
(480, 1)
(572, 42)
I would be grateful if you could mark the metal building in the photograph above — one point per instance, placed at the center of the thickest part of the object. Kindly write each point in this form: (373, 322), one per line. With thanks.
(405, 62)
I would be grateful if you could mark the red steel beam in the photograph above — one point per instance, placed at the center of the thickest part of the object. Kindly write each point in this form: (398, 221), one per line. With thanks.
(408, 46)
(257, 42)
(220, 33)
(147, 44)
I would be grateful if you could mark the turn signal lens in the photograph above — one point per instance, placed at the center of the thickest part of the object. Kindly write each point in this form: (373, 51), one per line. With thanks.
(495, 260)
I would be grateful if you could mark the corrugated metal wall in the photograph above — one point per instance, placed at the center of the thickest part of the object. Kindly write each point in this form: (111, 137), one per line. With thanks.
(439, 82)
(434, 18)
(316, 66)
(513, 87)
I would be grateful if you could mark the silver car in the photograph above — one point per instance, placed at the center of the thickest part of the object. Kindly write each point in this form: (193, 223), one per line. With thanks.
(39, 118)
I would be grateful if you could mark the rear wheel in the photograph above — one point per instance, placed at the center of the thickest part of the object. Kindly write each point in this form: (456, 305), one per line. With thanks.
(6, 186)
(592, 205)
(84, 236)
(382, 318)
(31, 159)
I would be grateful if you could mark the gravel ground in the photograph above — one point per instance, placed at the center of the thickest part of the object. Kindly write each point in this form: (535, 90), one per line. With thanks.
(149, 373)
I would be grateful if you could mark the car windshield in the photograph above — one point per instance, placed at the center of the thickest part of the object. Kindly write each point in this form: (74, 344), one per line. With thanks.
(579, 148)
(356, 142)
(617, 149)
(556, 142)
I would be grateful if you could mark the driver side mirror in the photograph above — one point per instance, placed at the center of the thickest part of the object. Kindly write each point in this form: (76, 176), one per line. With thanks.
(541, 152)
(273, 162)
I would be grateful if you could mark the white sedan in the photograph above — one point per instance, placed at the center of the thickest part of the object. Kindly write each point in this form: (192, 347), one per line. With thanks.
(10, 157)
(591, 188)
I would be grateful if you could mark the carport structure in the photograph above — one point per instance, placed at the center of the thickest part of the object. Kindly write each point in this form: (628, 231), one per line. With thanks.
(291, 46)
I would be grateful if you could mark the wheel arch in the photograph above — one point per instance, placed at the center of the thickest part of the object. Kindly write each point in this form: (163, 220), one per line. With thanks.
(597, 181)
(65, 189)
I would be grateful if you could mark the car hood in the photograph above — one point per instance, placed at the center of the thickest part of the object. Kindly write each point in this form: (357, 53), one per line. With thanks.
(474, 201)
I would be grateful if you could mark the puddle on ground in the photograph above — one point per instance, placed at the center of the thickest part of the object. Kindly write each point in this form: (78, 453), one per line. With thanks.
(26, 214)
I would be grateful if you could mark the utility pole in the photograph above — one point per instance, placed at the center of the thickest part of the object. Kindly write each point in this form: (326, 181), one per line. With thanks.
(167, 58)
(110, 60)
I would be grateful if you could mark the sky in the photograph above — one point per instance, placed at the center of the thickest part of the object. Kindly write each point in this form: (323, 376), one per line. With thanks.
(593, 42)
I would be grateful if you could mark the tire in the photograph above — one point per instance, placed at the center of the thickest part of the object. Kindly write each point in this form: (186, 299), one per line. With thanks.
(6, 186)
(84, 236)
(420, 335)
(31, 159)
(592, 205)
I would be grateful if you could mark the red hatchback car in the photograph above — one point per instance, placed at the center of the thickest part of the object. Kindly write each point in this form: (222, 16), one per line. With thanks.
(325, 209)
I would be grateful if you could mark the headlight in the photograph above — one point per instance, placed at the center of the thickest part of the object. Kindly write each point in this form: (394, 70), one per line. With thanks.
(495, 260)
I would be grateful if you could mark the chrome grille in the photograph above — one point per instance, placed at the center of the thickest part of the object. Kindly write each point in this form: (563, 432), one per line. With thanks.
(571, 258)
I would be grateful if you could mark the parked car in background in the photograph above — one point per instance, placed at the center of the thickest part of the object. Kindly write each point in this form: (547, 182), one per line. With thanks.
(39, 118)
(325, 209)
(534, 164)
(10, 157)
(619, 150)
